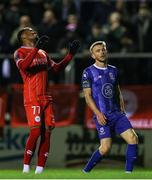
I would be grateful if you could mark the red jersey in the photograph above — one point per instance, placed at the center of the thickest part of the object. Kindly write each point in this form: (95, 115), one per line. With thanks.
(33, 65)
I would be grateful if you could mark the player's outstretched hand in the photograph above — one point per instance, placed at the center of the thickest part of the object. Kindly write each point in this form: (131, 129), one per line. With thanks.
(74, 46)
(42, 41)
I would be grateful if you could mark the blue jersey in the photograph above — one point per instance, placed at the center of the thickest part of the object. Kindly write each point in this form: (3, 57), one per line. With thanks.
(104, 87)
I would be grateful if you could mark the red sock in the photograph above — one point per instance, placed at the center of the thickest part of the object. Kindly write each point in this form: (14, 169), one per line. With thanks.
(31, 144)
(44, 148)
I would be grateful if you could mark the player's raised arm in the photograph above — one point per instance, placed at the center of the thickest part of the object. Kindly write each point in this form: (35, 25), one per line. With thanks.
(24, 63)
(73, 48)
(27, 37)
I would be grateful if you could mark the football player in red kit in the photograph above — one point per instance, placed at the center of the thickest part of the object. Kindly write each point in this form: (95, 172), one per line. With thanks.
(33, 64)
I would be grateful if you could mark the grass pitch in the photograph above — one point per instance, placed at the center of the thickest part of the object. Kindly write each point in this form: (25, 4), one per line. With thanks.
(74, 173)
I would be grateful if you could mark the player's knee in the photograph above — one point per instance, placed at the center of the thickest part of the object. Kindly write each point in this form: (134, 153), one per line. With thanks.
(104, 150)
(133, 139)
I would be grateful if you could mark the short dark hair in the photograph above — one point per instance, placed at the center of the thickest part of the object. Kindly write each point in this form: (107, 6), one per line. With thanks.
(20, 32)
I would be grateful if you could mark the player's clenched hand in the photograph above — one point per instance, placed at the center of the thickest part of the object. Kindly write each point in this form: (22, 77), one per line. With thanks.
(74, 46)
(101, 118)
(41, 42)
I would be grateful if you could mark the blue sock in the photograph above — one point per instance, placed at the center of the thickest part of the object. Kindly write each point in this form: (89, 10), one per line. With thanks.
(131, 156)
(95, 158)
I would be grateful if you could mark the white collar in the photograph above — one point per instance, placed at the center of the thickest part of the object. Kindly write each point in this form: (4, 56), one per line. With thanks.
(103, 68)
(28, 47)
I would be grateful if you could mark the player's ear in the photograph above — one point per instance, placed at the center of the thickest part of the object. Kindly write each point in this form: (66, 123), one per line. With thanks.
(92, 55)
(22, 37)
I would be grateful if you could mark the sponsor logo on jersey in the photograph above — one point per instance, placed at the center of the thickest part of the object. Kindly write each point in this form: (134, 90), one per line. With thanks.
(39, 61)
(107, 90)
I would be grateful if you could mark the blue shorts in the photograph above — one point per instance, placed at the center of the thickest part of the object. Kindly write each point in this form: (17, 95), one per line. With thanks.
(117, 122)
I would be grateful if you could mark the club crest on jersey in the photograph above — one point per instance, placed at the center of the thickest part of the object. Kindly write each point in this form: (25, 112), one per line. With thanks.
(111, 75)
(107, 90)
(37, 118)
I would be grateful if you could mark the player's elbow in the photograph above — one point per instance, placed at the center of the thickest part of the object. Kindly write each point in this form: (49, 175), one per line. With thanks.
(88, 102)
(22, 66)
(87, 98)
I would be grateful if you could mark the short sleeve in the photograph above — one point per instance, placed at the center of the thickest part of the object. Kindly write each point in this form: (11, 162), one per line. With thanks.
(86, 80)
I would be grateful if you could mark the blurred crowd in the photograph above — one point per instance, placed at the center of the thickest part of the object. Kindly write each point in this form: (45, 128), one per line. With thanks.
(125, 25)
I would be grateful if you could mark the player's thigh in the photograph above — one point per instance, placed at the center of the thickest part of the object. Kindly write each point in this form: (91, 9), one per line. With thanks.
(33, 114)
(122, 124)
(130, 136)
(49, 116)
(105, 145)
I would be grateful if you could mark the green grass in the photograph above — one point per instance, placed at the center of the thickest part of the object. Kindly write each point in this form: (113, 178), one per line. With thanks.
(74, 173)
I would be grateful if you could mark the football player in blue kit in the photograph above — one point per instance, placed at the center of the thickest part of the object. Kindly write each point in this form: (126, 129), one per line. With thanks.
(102, 94)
